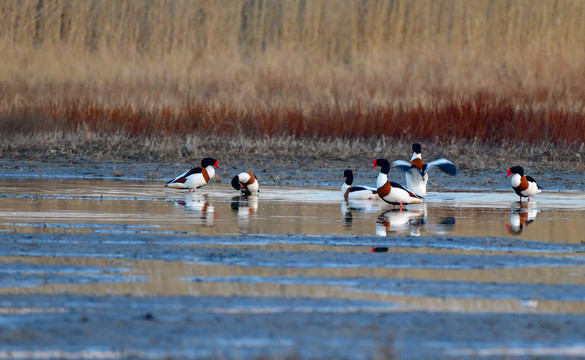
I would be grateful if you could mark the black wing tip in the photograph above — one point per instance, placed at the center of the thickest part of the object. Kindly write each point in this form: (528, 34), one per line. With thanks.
(448, 169)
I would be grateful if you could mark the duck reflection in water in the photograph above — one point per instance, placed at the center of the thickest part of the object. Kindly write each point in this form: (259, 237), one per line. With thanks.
(522, 214)
(198, 204)
(398, 221)
(348, 207)
(246, 206)
(412, 222)
(416, 224)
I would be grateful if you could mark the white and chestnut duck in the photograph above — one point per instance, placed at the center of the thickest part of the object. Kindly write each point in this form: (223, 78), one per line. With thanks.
(359, 192)
(246, 182)
(391, 192)
(416, 170)
(523, 185)
(196, 177)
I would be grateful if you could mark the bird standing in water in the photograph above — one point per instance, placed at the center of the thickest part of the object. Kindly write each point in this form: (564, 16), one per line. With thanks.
(523, 185)
(416, 170)
(196, 177)
(391, 192)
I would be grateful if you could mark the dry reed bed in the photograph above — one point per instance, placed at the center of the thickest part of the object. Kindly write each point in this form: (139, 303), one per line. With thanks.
(345, 30)
(283, 52)
(322, 51)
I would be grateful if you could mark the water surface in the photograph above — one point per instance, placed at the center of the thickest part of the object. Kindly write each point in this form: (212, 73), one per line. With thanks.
(294, 272)
(103, 206)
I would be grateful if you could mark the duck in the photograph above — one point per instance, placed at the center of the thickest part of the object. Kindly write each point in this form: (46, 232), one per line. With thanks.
(523, 185)
(416, 170)
(361, 192)
(246, 182)
(195, 178)
(391, 192)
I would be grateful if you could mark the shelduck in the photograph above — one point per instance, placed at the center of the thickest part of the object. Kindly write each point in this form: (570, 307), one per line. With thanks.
(196, 177)
(246, 182)
(416, 170)
(523, 185)
(391, 192)
(359, 192)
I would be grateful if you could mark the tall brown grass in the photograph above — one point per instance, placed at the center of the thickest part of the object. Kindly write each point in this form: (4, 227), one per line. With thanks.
(341, 30)
(494, 71)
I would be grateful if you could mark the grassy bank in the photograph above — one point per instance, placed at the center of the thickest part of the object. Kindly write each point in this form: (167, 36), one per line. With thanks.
(469, 156)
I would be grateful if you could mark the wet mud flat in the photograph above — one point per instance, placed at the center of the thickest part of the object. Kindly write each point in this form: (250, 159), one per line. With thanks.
(272, 296)
(282, 172)
(94, 268)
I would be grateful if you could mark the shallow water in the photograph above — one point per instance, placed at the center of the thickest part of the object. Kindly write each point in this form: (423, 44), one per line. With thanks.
(292, 272)
(102, 206)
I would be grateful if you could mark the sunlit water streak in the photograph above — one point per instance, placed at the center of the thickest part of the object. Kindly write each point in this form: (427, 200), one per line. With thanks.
(130, 207)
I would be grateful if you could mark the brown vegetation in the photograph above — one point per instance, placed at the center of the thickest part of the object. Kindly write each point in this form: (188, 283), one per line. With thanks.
(482, 118)
(165, 72)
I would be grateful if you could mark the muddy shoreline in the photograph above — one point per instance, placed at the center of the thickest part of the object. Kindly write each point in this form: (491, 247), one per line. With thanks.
(304, 172)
